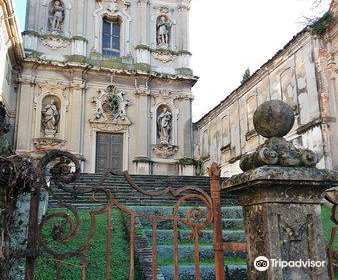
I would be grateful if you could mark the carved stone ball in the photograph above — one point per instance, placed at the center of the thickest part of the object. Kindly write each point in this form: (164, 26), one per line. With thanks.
(273, 118)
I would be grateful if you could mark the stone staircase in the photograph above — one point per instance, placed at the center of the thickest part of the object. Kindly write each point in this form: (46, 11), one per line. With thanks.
(232, 233)
(232, 223)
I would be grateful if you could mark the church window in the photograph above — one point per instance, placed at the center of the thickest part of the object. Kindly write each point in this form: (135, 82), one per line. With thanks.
(111, 37)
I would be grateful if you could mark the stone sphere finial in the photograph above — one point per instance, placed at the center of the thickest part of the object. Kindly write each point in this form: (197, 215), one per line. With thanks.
(273, 118)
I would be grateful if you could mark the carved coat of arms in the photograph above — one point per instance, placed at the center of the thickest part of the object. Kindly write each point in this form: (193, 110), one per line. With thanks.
(110, 106)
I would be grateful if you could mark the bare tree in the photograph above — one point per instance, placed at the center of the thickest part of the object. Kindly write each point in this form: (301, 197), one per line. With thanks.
(316, 9)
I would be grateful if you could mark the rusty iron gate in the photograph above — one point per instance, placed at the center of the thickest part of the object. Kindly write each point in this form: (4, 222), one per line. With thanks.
(65, 169)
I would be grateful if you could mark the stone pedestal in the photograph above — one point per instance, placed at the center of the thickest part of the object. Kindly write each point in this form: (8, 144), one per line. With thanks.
(282, 217)
(142, 166)
(186, 170)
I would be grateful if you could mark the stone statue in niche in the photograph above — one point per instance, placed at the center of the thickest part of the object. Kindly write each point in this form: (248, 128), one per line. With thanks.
(56, 16)
(163, 31)
(164, 126)
(50, 119)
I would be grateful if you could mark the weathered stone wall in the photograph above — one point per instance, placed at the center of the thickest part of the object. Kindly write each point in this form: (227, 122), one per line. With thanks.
(303, 74)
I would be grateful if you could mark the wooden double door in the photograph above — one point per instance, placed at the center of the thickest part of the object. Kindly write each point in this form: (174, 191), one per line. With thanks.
(109, 152)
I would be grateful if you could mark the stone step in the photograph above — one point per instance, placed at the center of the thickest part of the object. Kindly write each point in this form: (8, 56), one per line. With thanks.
(227, 224)
(126, 198)
(228, 212)
(126, 195)
(165, 253)
(232, 272)
(184, 236)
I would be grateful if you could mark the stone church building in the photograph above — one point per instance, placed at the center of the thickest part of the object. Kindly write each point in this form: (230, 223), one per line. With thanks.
(111, 81)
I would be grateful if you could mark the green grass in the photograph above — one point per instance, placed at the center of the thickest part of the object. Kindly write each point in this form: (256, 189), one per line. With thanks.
(95, 254)
(327, 228)
(328, 225)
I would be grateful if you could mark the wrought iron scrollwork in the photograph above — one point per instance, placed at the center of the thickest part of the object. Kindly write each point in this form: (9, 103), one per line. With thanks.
(65, 169)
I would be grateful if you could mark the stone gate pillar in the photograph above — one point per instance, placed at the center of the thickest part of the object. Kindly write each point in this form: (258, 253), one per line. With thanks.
(281, 194)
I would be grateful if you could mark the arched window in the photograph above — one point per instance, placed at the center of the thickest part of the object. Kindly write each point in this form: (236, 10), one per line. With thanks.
(111, 37)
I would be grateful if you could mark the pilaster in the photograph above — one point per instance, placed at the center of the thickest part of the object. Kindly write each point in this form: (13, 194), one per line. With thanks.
(75, 115)
(25, 113)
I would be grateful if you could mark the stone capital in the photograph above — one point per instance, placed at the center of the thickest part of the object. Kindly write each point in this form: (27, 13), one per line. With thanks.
(77, 85)
(26, 80)
(183, 8)
(142, 92)
(275, 184)
(143, 3)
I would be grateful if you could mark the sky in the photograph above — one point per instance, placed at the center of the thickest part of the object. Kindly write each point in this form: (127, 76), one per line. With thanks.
(227, 37)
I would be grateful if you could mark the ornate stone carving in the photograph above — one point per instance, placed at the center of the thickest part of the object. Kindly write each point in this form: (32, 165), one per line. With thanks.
(43, 143)
(110, 111)
(142, 91)
(50, 119)
(172, 95)
(163, 27)
(113, 5)
(56, 16)
(162, 9)
(54, 42)
(51, 87)
(165, 151)
(183, 8)
(110, 105)
(164, 125)
(143, 3)
(164, 56)
(118, 126)
(274, 119)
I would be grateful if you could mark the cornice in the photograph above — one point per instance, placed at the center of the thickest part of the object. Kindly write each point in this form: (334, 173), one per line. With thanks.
(77, 65)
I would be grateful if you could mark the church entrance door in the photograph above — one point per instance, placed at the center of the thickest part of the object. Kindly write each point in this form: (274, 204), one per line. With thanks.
(109, 152)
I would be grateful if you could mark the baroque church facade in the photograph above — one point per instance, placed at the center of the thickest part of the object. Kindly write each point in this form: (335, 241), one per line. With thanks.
(109, 80)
